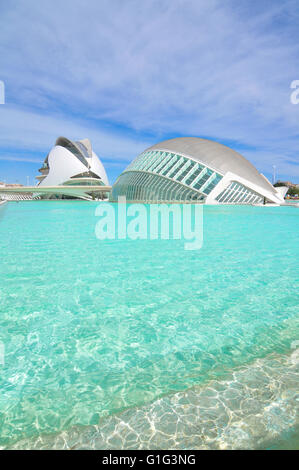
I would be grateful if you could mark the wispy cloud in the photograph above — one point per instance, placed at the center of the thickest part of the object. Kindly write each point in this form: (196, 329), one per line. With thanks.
(127, 74)
(37, 130)
(14, 158)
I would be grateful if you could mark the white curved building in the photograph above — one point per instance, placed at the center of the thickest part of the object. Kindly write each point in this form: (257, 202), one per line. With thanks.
(190, 169)
(72, 163)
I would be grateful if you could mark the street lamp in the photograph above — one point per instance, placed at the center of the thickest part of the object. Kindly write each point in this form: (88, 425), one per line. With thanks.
(274, 174)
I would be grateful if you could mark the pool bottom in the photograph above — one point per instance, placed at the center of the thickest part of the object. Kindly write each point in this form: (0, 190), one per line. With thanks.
(253, 407)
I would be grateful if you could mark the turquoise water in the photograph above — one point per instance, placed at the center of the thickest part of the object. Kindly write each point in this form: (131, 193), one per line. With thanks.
(92, 328)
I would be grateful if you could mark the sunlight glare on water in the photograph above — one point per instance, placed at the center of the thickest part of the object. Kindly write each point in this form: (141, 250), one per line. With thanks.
(92, 328)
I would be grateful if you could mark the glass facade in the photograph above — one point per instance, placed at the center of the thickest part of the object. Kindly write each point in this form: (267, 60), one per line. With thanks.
(158, 175)
(83, 149)
(236, 193)
(146, 187)
(88, 176)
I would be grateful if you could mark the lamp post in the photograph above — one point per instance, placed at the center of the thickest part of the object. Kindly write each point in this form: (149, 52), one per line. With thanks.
(274, 174)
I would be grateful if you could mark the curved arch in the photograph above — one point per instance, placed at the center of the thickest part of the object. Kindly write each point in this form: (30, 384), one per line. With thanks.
(74, 148)
(215, 155)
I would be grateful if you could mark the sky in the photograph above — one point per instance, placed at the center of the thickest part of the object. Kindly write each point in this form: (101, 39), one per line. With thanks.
(129, 74)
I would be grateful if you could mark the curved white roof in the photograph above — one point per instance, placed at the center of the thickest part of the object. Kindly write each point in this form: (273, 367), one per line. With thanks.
(217, 156)
(70, 158)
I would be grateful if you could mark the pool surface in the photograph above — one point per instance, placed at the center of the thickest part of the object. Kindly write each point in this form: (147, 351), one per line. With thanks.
(111, 344)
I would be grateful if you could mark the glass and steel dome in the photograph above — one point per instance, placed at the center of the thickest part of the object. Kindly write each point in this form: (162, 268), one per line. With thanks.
(190, 169)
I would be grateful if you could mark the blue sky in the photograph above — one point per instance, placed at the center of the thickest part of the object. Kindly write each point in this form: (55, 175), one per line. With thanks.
(128, 74)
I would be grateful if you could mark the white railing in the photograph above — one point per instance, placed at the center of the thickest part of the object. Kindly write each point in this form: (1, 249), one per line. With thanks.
(15, 197)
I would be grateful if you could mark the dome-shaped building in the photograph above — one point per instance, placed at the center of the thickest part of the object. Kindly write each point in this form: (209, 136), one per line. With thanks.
(190, 169)
(72, 163)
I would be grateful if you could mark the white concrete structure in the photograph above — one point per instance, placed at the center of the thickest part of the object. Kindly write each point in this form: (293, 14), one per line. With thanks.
(88, 192)
(71, 164)
(10, 194)
(189, 169)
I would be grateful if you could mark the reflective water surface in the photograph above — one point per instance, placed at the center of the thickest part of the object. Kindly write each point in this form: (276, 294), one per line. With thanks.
(141, 343)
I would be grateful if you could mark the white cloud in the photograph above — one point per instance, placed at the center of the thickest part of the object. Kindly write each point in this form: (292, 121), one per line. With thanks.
(38, 131)
(15, 158)
(159, 68)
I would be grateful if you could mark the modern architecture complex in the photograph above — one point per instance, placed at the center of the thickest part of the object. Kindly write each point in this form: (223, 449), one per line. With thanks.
(190, 169)
(71, 163)
(17, 195)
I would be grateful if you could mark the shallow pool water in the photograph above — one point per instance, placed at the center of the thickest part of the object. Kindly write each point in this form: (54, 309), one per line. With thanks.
(92, 328)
